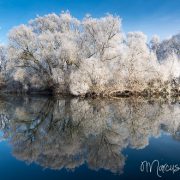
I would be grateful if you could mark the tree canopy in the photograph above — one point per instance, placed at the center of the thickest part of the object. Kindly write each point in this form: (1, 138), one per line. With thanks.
(93, 55)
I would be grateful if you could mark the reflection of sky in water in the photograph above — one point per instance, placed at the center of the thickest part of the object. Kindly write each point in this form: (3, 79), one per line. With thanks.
(86, 139)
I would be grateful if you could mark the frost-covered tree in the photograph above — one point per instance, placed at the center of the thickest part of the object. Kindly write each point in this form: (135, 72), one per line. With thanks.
(169, 47)
(47, 46)
(139, 64)
(101, 38)
(3, 65)
(101, 45)
(155, 43)
(3, 59)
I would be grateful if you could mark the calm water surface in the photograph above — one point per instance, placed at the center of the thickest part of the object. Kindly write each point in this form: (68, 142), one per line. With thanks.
(47, 138)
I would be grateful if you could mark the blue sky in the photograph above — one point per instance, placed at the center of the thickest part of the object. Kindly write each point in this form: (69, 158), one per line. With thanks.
(160, 17)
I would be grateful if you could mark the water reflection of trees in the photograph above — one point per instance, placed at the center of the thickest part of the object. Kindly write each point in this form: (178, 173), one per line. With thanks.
(67, 133)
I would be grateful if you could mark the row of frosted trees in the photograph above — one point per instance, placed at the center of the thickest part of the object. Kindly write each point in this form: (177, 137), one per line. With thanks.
(62, 54)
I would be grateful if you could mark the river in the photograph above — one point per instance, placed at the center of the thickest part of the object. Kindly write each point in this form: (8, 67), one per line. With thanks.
(74, 138)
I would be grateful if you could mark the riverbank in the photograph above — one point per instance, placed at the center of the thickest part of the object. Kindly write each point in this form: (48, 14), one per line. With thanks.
(120, 94)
